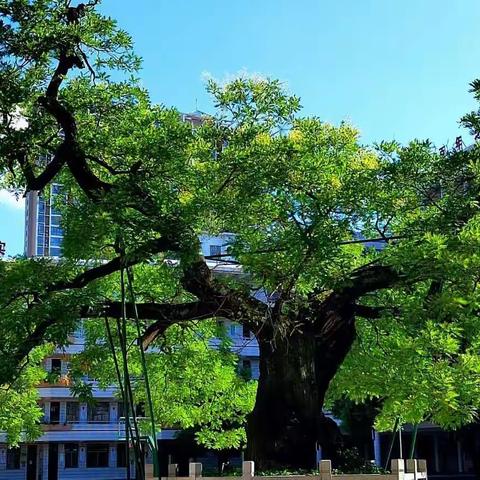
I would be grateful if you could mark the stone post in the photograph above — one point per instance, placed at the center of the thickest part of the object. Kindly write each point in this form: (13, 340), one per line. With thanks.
(325, 468)
(398, 468)
(194, 470)
(172, 469)
(422, 468)
(248, 470)
(412, 467)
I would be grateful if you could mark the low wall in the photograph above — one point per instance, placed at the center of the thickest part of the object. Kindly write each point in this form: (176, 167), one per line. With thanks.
(400, 470)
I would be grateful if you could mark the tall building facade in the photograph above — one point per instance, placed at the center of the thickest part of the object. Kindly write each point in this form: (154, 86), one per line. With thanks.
(43, 232)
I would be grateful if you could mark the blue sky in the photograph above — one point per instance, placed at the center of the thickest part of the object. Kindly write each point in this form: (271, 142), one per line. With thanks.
(394, 68)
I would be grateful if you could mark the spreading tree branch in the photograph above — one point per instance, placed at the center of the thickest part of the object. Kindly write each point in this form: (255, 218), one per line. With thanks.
(369, 312)
(140, 254)
(164, 314)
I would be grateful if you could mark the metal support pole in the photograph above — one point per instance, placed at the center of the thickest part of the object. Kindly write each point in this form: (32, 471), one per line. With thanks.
(122, 335)
(146, 379)
(414, 441)
(392, 441)
(400, 443)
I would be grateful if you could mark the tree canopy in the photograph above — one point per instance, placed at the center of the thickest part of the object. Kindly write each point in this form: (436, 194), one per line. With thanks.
(345, 239)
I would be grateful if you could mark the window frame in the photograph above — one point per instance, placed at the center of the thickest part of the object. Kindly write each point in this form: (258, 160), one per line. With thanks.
(77, 416)
(71, 453)
(121, 447)
(246, 332)
(246, 371)
(215, 250)
(57, 421)
(97, 449)
(91, 413)
(56, 370)
(16, 459)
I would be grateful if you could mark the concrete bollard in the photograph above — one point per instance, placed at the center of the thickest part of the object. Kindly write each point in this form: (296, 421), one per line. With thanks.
(172, 469)
(411, 467)
(248, 470)
(194, 470)
(398, 467)
(325, 469)
(422, 468)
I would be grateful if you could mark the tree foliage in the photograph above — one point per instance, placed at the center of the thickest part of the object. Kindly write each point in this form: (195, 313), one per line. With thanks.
(194, 386)
(420, 358)
(308, 207)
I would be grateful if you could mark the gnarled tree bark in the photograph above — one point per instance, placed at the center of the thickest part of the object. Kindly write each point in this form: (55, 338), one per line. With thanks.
(288, 423)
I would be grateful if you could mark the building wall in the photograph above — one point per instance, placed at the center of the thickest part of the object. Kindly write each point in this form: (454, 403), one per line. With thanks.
(84, 432)
(31, 206)
(12, 474)
(111, 472)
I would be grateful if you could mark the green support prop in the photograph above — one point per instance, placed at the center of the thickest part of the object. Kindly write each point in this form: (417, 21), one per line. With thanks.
(145, 375)
(414, 441)
(392, 441)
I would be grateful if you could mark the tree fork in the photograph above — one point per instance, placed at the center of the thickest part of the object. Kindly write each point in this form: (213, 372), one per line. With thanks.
(288, 423)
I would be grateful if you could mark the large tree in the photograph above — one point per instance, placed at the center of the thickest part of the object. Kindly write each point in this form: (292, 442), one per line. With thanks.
(300, 196)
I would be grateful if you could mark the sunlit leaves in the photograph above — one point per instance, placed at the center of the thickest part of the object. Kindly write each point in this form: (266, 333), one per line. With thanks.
(193, 385)
(20, 412)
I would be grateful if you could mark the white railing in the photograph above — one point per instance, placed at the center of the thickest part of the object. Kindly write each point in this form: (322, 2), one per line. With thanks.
(142, 422)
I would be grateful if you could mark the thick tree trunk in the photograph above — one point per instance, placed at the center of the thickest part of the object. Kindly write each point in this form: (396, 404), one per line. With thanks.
(287, 422)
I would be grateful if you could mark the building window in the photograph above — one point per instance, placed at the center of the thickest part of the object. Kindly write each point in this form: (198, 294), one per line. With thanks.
(42, 407)
(55, 220)
(54, 412)
(97, 455)
(233, 329)
(55, 252)
(56, 231)
(99, 413)
(71, 455)
(55, 241)
(215, 250)
(121, 455)
(56, 189)
(246, 333)
(13, 459)
(56, 366)
(73, 412)
(120, 410)
(139, 410)
(246, 372)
